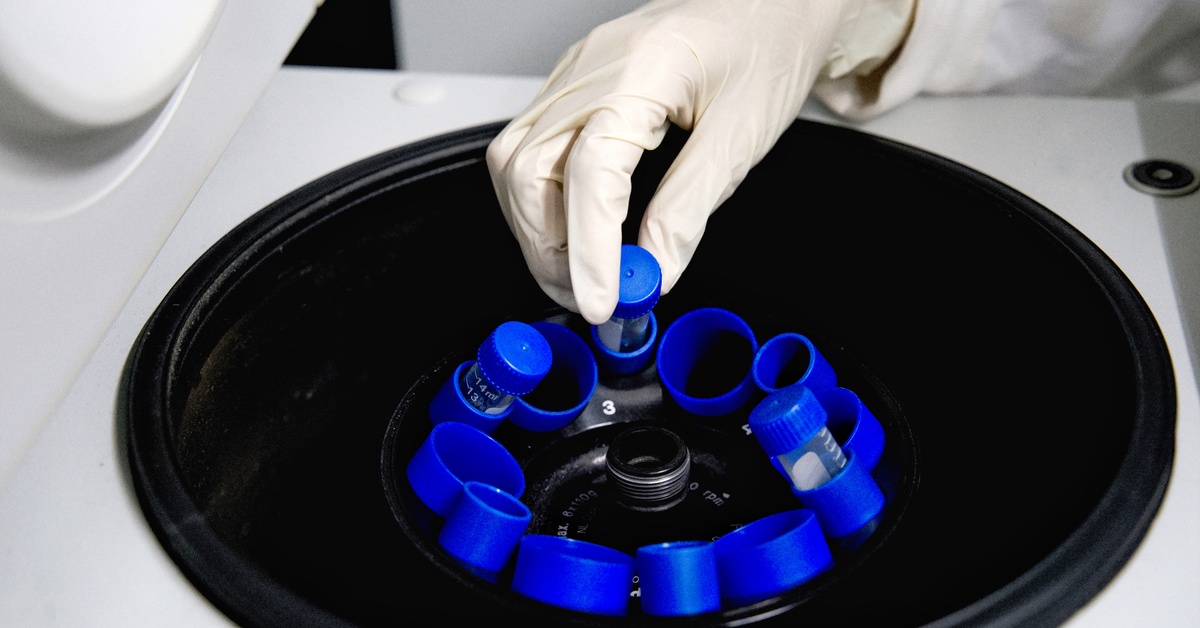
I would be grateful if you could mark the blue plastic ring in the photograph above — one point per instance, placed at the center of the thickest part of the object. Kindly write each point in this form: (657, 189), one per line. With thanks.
(691, 338)
(574, 574)
(574, 363)
(626, 362)
(853, 425)
(771, 555)
(454, 454)
(484, 528)
(678, 578)
(791, 349)
(845, 503)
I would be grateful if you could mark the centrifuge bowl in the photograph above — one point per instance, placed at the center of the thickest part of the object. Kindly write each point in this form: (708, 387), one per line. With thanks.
(1025, 388)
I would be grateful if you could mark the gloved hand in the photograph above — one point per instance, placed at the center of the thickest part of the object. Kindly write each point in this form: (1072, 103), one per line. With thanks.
(733, 72)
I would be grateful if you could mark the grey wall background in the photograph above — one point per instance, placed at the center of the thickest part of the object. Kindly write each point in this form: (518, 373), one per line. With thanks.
(523, 37)
(509, 37)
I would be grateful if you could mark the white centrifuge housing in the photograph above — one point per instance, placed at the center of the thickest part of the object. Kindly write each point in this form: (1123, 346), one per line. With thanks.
(102, 216)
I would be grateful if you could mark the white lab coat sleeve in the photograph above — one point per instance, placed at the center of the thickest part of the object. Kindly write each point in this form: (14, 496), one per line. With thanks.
(1063, 47)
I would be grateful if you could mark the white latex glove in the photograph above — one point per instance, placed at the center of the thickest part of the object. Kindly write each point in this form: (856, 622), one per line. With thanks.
(733, 72)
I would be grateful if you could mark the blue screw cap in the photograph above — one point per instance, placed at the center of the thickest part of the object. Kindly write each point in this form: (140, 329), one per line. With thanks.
(786, 419)
(514, 358)
(573, 363)
(641, 282)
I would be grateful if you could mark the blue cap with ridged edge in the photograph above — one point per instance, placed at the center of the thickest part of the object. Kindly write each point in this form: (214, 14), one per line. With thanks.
(573, 362)
(641, 282)
(514, 358)
(786, 419)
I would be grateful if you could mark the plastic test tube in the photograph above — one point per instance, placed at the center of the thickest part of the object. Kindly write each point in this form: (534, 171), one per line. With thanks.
(511, 362)
(641, 284)
(790, 425)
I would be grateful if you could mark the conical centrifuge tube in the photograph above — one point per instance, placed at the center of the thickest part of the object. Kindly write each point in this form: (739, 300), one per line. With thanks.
(511, 362)
(790, 425)
(641, 283)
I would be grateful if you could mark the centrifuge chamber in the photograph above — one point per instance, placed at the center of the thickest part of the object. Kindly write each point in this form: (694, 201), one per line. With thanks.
(1026, 391)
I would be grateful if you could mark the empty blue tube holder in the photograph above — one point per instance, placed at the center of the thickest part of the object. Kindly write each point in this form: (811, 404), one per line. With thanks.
(574, 574)
(770, 556)
(572, 367)
(678, 578)
(699, 339)
(454, 454)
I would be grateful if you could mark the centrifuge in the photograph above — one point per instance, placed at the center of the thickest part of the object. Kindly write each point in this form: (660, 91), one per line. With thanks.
(239, 303)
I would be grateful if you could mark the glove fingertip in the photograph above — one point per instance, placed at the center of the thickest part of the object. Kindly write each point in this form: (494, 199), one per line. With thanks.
(594, 307)
(668, 258)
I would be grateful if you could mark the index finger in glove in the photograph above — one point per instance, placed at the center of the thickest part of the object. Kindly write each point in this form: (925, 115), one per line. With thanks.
(528, 185)
(596, 187)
